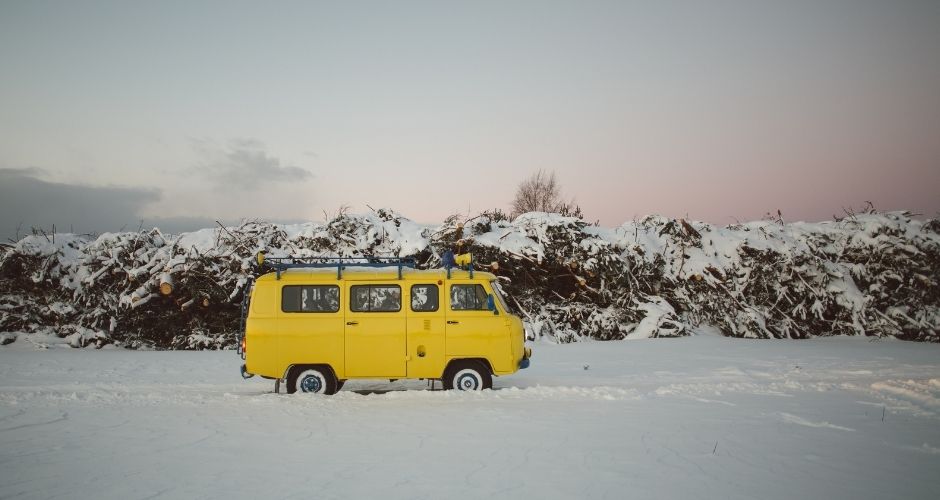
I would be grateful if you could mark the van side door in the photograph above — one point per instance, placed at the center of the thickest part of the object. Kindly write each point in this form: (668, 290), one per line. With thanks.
(375, 330)
(472, 329)
(425, 331)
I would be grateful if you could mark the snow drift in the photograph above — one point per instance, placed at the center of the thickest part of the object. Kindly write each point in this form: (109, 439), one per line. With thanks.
(873, 274)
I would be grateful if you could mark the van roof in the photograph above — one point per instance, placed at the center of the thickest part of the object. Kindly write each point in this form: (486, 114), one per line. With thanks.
(358, 273)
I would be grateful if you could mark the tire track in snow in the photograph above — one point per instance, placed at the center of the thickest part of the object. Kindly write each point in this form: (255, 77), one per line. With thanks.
(794, 419)
(64, 417)
(919, 396)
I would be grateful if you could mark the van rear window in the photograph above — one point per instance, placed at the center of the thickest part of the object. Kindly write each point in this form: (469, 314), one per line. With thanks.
(310, 298)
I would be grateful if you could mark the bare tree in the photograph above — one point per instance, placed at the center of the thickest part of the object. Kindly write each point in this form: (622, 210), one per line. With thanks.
(538, 193)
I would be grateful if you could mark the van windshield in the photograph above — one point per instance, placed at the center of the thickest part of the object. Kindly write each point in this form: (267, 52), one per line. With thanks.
(498, 292)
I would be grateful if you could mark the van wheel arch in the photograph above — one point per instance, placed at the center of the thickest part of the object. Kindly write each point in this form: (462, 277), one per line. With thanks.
(483, 361)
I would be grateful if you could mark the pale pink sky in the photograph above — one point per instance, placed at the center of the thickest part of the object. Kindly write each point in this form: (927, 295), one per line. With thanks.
(714, 110)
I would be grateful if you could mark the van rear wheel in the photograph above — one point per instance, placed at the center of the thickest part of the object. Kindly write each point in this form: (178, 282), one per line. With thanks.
(467, 376)
(311, 379)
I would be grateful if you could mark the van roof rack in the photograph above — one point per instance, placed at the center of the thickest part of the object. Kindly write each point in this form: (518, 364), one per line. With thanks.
(280, 264)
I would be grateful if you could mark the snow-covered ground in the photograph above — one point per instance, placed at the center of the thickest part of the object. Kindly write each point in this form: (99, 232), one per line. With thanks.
(699, 417)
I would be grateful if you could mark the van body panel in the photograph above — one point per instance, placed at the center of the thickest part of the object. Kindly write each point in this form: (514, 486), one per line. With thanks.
(310, 337)
(263, 338)
(470, 332)
(516, 343)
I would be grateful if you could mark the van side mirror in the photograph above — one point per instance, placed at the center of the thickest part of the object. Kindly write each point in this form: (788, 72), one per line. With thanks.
(491, 304)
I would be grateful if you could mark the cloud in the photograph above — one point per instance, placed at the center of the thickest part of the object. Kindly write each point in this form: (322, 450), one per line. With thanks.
(29, 198)
(26, 201)
(26, 172)
(244, 164)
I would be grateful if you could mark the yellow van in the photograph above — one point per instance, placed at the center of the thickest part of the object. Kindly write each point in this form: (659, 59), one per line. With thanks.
(316, 323)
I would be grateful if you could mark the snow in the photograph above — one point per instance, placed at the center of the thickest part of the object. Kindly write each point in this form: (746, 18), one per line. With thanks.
(696, 417)
(656, 312)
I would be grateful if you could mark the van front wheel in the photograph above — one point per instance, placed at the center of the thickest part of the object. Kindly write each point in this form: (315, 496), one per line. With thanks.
(311, 379)
(467, 376)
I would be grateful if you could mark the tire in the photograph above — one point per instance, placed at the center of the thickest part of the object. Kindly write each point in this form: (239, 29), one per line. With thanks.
(312, 379)
(339, 385)
(467, 376)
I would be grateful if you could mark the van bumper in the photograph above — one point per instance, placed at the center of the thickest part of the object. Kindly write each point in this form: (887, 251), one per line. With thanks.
(526, 355)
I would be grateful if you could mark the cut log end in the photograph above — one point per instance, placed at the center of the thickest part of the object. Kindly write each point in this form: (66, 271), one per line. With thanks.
(166, 284)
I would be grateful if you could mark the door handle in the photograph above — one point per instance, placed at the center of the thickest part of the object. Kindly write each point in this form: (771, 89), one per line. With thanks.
(451, 322)
(350, 323)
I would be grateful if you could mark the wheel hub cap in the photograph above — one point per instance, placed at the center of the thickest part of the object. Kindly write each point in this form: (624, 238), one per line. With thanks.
(310, 384)
(467, 383)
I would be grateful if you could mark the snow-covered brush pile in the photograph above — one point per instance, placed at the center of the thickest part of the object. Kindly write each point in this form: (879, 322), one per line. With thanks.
(867, 274)
(875, 274)
(140, 289)
(147, 289)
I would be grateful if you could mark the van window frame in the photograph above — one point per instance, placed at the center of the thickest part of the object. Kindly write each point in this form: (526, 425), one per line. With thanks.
(339, 299)
(370, 286)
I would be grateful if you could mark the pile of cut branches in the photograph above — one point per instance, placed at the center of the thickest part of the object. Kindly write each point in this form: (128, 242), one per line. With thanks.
(873, 274)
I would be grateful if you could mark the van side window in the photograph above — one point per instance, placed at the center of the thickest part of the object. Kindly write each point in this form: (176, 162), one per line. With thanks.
(468, 298)
(375, 298)
(424, 298)
(310, 298)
